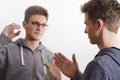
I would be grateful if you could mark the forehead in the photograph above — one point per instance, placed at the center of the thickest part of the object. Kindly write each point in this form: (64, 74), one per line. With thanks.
(87, 19)
(38, 18)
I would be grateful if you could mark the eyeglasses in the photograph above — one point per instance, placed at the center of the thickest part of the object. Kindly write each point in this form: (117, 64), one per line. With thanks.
(37, 24)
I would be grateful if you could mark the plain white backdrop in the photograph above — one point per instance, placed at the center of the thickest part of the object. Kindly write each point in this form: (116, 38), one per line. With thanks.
(66, 27)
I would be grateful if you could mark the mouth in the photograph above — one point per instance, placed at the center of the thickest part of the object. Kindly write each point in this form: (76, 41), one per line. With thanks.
(38, 33)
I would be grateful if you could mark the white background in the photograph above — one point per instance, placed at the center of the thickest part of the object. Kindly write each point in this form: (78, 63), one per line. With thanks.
(66, 27)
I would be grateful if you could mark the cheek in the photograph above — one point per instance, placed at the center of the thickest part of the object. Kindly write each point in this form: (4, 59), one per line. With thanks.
(43, 30)
(30, 30)
(89, 30)
(97, 33)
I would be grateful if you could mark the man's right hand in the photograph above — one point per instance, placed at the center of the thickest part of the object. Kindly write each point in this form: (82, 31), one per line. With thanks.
(68, 67)
(8, 31)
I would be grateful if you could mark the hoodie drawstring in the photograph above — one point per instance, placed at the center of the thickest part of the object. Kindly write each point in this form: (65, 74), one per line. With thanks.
(21, 54)
(43, 59)
(23, 63)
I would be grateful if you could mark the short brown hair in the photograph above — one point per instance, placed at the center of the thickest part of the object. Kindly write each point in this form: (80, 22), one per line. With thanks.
(107, 10)
(34, 10)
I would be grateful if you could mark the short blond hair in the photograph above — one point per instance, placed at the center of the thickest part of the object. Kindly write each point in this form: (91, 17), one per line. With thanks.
(107, 10)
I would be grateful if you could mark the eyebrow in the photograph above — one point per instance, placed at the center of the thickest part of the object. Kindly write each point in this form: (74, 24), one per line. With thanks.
(37, 22)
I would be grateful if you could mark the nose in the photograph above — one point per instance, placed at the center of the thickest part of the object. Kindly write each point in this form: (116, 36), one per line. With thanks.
(39, 27)
(86, 30)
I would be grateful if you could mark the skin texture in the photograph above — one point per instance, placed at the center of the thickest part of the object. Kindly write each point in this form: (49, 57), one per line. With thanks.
(34, 33)
(53, 71)
(8, 31)
(62, 62)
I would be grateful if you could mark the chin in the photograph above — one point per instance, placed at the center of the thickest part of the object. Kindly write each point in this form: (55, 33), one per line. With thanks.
(37, 37)
(92, 42)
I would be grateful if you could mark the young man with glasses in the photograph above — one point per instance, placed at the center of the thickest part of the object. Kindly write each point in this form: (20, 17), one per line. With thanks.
(25, 58)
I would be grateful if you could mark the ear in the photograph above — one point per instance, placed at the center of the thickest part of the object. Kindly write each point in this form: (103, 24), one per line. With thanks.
(24, 23)
(99, 24)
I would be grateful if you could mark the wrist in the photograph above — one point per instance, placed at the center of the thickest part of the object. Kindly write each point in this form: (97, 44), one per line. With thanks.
(6, 35)
(76, 76)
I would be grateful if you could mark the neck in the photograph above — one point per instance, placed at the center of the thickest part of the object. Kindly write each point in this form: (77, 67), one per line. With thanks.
(32, 43)
(109, 40)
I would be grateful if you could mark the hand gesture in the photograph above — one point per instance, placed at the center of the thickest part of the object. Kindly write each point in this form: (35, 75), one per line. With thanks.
(8, 31)
(53, 71)
(68, 68)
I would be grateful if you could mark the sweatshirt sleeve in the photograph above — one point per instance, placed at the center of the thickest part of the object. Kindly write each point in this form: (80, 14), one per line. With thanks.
(4, 40)
(93, 71)
(2, 61)
(78, 76)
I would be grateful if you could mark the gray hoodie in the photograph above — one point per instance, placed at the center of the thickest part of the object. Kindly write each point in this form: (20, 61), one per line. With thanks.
(19, 62)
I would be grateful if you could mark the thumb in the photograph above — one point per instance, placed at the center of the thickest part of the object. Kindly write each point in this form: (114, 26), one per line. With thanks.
(74, 58)
(46, 66)
(17, 33)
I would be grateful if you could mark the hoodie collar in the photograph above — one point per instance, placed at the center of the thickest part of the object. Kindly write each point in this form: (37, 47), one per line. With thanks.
(21, 41)
(22, 44)
(113, 52)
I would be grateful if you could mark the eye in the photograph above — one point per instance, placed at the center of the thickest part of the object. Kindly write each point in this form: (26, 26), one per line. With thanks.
(35, 23)
(43, 25)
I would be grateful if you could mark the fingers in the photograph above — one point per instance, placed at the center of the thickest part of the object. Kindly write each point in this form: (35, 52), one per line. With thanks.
(74, 58)
(46, 66)
(53, 61)
(13, 26)
(59, 59)
(52, 68)
(9, 30)
(53, 71)
(51, 65)
(17, 33)
(62, 56)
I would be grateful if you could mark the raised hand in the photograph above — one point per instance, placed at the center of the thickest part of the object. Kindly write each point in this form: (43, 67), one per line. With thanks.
(53, 71)
(68, 68)
(8, 31)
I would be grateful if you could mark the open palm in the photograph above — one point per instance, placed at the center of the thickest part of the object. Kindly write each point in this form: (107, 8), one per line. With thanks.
(68, 68)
